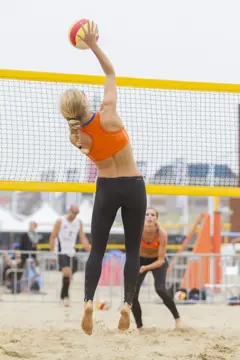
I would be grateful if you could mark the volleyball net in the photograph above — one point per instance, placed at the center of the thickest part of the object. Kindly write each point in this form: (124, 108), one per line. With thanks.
(185, 136)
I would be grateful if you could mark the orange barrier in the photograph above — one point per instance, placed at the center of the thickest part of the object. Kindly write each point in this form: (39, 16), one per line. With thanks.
(197, 273)
(188, 238)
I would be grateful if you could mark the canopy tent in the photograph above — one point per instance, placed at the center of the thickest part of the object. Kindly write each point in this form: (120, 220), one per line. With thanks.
(45, 217)
(8, 223)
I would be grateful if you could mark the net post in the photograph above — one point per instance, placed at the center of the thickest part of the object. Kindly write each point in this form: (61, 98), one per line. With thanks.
(234, 202)
(217, 241)
(238, 145)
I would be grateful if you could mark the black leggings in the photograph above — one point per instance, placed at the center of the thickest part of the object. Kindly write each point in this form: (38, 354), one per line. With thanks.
(159, 275)
(129, 194)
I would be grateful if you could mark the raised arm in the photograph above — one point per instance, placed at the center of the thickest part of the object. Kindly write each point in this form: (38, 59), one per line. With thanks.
(110, 90)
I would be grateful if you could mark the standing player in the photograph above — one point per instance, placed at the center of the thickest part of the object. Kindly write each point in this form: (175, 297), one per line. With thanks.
(103, 138)
(63, 239)
(152, 258)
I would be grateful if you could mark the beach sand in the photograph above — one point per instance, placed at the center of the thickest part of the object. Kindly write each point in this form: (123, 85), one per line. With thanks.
(33, 329)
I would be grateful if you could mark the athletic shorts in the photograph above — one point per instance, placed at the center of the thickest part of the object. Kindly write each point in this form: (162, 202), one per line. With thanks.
(67, 261)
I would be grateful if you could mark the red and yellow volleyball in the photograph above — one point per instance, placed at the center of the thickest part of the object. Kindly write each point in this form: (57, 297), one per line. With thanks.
(103, 305)
(76, 33)
(180, 296)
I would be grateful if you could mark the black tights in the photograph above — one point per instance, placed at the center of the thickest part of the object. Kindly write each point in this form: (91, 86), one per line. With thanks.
(129, 194)
(159, 275)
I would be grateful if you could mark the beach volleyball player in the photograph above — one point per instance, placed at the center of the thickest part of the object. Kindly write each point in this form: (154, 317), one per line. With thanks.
(66, 232)
(102, 137)
(152, 258)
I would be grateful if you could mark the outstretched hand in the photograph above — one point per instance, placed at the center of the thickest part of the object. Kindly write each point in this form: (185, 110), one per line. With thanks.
(89, 34)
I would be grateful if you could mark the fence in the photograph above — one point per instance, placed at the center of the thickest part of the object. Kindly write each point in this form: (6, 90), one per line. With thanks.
(41, 281)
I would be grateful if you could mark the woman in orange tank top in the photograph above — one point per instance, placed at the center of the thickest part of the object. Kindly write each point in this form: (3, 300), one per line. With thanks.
(102, 137)
(152, 258)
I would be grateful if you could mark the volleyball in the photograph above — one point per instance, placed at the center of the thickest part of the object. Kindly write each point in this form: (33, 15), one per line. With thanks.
(102, 305)
(180, 295)
(76, 32)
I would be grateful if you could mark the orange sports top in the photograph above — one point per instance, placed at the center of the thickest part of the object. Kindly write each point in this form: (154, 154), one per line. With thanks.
(153, 244)
(104, 143)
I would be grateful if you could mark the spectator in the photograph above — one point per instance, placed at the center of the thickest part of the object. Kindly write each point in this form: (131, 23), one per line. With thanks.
(29, 242)
(12, 271)
(31, 277)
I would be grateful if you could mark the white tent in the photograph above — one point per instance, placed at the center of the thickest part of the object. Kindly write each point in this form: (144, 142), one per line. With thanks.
(45, 217)
(8, 223)
(85, 215)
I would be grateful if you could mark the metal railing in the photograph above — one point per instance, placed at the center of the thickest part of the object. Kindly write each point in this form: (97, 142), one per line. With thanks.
(216, 278)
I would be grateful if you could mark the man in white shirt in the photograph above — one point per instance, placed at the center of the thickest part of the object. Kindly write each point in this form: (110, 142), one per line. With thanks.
(63, 239)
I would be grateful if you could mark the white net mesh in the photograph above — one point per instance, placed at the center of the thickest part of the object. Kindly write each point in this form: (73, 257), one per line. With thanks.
(178, 137)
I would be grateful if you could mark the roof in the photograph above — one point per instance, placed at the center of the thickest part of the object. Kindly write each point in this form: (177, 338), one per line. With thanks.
(198, 170)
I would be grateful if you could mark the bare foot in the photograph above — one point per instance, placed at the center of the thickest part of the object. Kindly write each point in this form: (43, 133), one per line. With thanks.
(124, 321)
(87, 321)
(178, 323)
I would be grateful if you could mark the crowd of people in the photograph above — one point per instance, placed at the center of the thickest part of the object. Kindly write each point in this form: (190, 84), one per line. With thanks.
(21, 271)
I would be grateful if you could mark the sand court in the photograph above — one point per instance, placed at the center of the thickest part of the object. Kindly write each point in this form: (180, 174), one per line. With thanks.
(49, 331)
